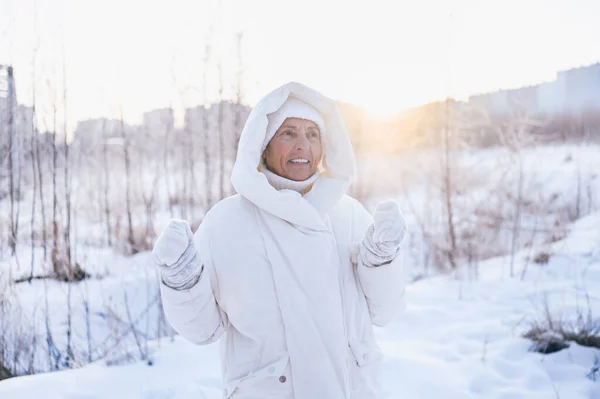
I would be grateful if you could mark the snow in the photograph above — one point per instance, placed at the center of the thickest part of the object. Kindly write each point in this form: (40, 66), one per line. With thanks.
(175, 373)
(460, 336)
(457, 339)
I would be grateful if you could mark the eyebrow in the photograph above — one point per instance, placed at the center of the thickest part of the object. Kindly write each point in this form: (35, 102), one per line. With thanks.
(296, 127)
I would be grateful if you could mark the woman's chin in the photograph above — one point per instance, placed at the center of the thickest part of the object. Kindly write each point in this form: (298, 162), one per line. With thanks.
(298, 176)
(298, 173)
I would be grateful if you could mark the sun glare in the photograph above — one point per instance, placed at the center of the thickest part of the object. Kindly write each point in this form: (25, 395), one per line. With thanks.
(388, 89)
(380, 100)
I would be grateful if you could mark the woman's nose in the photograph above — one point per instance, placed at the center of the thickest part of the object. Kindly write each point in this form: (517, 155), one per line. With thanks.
(302, 142)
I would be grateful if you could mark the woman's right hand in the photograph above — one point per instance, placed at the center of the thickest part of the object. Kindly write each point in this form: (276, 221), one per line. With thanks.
(172, 242)
(175, 254)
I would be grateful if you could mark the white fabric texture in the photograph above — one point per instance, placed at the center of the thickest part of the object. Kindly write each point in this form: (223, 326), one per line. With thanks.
(292, 108)
(280, 290)
(281, 183)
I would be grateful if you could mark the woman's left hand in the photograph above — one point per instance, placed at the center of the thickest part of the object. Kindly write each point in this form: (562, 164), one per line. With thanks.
(383, 238)
(390, 226)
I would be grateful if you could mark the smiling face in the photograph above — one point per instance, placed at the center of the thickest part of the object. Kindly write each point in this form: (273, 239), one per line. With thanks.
(295, 150)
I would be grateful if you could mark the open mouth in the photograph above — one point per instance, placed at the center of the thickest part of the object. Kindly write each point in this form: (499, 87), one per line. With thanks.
(299, 161)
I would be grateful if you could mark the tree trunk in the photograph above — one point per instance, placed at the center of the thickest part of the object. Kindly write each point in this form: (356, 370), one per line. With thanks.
(130, 238)
(517, 221)
(447, 192)
(41, 191)
(67, 229)
(56, 261)
(35, 188)
(166, 170)
(193, 193)
(221, 138)
(13, 163)
(106, 189)
(205, 131)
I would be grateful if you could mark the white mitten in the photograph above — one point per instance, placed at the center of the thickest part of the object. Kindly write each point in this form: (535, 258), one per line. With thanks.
(172, 242)
(383, 238)
(390, 225)
(175, 254)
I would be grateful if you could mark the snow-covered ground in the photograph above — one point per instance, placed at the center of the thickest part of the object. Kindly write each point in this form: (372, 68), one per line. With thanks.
(459, 338)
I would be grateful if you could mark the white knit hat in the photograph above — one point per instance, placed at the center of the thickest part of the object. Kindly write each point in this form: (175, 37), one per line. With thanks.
(292, 108)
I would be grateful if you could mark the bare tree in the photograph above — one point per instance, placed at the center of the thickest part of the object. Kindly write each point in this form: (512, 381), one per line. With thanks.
(167, 175)
(33, 155)
(149, 201)
(53, 352)
(67, 177)
(516, 133)
(35, 145)
(14, 165)
(57, 264)
(67, 230)
(88, 329)
(69, 357)
(448, 132)
(191, 168)
(148, 192)
(106, 183)
(205, 128)
(35, 182)
(126, 157)
(221, 134)
(41, 189)
(445, 168)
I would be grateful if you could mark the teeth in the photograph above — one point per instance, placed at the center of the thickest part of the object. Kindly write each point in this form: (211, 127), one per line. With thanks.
(299, 160)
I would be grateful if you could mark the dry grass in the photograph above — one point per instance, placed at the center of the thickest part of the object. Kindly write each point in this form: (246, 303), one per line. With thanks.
(550, 334)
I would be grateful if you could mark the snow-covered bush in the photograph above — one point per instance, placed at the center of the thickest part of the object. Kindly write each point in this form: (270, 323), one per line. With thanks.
(550, 332)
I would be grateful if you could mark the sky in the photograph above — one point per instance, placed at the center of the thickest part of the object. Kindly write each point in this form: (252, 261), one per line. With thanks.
(132, 56)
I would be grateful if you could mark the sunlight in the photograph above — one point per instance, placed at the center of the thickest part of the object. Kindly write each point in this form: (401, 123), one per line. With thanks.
(388, 89)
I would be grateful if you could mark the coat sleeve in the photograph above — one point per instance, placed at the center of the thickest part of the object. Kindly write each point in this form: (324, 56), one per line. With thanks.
(383, 286)
(194, 313)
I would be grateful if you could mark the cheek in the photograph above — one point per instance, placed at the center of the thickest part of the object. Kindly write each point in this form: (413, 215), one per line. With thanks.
(278, 152)
(317, 151)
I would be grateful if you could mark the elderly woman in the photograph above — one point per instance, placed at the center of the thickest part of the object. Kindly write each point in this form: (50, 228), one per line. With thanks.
(290, 273)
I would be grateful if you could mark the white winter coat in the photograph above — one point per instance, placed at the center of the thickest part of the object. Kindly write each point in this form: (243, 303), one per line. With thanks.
(280, 286)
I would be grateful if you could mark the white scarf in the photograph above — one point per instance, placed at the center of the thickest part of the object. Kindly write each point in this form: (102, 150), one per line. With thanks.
(281, 183)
